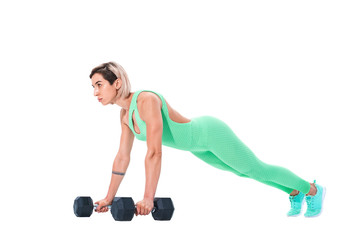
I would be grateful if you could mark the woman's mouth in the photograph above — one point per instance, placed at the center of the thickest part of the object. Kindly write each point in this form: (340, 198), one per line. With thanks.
(99, 99)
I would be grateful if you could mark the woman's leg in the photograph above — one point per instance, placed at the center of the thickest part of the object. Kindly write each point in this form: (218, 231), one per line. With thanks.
(227, 147)
(214, 161)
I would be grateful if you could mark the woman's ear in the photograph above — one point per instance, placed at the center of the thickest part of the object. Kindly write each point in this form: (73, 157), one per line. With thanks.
(118, 83)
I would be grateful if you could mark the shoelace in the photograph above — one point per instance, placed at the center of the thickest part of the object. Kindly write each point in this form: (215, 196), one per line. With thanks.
(293, 202)
(310, 202)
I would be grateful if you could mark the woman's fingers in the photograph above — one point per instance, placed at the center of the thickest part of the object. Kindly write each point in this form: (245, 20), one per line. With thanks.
(145, 206)
(104, 209)
(141, 209)
(138, 210)
(102, 206)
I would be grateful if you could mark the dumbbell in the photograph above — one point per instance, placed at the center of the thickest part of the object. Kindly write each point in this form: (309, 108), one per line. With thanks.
(123, 208)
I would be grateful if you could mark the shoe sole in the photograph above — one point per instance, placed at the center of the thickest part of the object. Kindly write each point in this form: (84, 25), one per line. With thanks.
(322, 204)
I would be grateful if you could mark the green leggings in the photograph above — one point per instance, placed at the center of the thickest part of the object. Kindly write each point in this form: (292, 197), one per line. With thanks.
(216, 144)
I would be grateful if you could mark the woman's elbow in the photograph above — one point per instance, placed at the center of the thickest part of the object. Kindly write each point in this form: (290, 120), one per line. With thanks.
(154, 154)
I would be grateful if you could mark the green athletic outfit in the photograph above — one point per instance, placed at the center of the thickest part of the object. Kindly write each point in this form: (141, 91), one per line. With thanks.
(211, 140)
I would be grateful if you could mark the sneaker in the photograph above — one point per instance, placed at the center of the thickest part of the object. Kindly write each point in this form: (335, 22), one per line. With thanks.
(315, 203)
(296, 204)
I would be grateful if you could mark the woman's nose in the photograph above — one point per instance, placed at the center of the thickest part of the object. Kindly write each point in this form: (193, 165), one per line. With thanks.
(96, 92)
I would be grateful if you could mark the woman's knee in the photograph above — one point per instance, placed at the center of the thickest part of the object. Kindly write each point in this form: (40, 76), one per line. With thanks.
(255, 170)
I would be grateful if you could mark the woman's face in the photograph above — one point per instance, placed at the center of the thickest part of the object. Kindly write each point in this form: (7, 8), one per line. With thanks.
(102, 89)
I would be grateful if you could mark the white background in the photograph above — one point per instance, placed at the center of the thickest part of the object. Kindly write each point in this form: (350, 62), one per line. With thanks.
(282, 74)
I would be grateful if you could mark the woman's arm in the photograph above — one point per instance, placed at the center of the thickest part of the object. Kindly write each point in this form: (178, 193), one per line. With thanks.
(152, 172)
(122, 159)
(120, 165)
(150, 110)
(119, 168)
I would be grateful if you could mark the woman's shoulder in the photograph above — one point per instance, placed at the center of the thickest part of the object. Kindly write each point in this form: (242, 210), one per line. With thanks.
(148, 97)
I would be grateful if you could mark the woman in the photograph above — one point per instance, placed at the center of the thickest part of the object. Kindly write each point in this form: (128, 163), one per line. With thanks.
(147, 116)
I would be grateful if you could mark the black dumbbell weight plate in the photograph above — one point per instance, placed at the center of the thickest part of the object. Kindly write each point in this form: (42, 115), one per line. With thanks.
(83, 206)
(164, 209)
(123, 208)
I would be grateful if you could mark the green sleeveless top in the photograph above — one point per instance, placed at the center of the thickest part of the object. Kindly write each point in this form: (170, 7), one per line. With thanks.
(176, 135)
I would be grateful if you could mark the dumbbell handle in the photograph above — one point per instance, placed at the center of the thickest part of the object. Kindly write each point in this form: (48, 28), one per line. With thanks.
(96, 205)
(109, 206)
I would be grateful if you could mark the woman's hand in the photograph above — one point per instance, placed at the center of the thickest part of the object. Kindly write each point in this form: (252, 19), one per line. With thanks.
(144, 207)
(102, 205)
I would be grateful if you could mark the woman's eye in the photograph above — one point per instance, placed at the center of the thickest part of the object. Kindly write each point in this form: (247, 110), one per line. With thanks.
(99, 85)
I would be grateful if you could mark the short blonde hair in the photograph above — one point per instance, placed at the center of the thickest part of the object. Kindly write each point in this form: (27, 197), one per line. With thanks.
(112, 71)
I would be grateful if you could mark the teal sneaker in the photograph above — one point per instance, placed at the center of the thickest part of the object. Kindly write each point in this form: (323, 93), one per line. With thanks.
(296, 204)
(315, 203)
